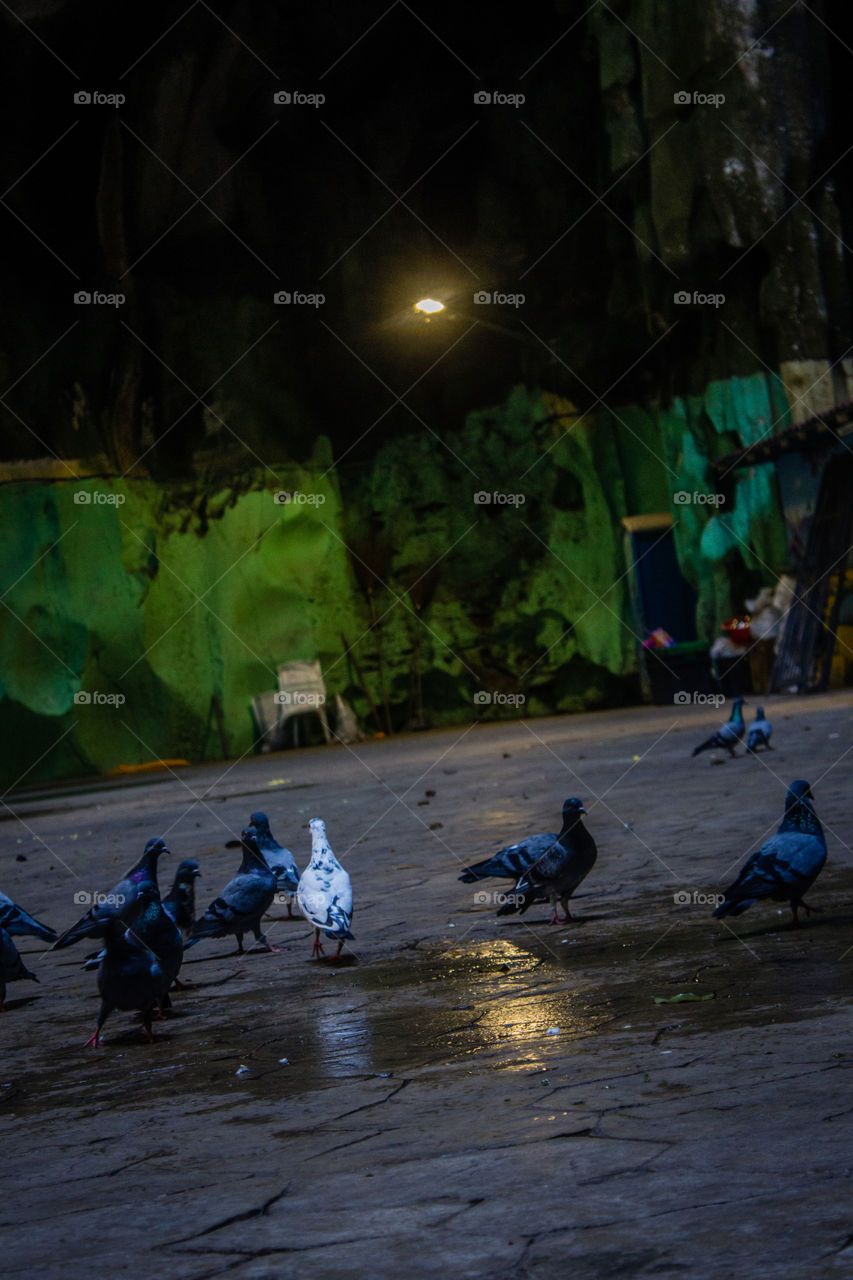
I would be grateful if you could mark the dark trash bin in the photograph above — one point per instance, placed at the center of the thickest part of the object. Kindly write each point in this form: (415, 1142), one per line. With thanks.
(680, 669)
(734, 676)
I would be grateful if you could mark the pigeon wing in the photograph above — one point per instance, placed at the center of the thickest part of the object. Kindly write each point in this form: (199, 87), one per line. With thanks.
(511, 862)
(15, 920)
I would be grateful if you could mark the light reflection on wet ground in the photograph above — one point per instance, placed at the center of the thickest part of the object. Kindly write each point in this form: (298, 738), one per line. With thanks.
(502, 1003)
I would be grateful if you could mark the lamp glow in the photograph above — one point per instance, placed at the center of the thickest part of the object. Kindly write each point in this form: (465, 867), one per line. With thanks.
(429, 306)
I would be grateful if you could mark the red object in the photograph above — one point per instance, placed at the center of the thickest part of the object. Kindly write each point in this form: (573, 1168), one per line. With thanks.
(737, 630)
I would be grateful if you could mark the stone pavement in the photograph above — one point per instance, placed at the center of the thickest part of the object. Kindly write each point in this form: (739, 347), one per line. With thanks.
(462, 1096)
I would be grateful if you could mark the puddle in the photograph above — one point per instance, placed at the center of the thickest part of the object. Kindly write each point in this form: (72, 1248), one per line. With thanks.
(506, 1003)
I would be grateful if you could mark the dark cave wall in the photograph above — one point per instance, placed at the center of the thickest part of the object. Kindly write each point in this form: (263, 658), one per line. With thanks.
(199, 396)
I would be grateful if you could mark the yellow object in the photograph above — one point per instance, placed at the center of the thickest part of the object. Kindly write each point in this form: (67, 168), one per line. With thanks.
(147, 767)
(841, 671)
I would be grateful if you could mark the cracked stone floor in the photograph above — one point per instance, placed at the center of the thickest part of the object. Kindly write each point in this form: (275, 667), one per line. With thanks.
(461, 1096)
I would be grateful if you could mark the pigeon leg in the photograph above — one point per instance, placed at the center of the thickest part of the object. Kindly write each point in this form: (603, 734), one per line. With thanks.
(239, 950)
(95, 1038)
(317, 949)
(290, 914)
(555, 919)
(340, 948)
(261, 941)
(181, 986)
(795, 923)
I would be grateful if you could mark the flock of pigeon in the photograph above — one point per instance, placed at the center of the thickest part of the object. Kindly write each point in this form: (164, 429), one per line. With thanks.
(550, 867)
(733, 730)
(144, 938)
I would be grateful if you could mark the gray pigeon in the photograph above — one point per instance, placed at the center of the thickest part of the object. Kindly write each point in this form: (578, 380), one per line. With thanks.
(786, 867)
(180, 902)
(759, 733)
(130, 975)
(12, 967)
(557, 873)
(243, 901)
(730, 734)
(119, 902)
(16, 920)
(280, 861)
(513, 861)
(157, 929)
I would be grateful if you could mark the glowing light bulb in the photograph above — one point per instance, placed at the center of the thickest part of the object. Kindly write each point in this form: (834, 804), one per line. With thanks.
(429, 306)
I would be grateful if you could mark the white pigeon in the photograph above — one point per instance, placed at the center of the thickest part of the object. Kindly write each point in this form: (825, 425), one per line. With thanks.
(324, 893)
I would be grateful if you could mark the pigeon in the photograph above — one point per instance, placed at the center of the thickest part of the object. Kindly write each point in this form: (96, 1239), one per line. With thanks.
(12, 967)
(513, 861)
(325, 892)
(243, 901)
(759, 733)
(158, 929)
(15, 920)
(787, 865)
(280, 861)
(731, 733)
(130, 976)
(180, 902)
(119, 902)
(557, 873)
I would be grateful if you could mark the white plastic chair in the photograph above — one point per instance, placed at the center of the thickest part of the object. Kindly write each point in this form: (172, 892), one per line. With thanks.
(265, 710)
(301, 691)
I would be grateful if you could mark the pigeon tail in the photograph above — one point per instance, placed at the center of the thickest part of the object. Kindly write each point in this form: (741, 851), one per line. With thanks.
(734, 906)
